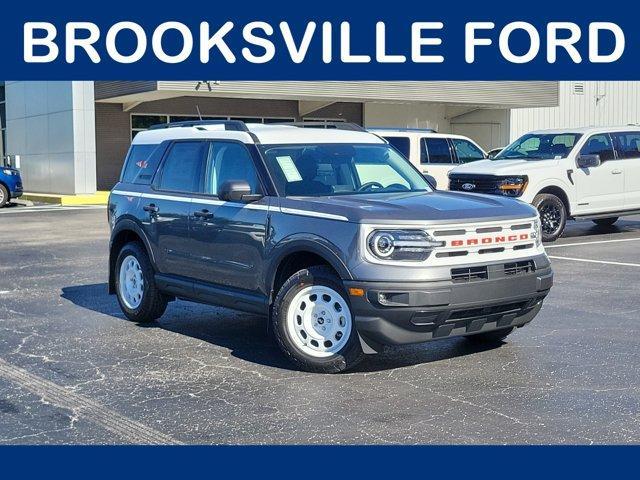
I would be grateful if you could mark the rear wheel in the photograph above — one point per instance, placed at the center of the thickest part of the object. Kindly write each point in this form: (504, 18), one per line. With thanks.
(136, 289)
(553, 215)
(606, 222)
(313, 323)
(4, 196)
(495, 336)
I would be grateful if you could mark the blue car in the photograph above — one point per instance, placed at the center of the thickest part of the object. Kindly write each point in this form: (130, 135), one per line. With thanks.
(10, 184)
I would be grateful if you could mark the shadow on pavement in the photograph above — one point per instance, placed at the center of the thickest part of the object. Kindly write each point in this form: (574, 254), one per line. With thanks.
(247, 338)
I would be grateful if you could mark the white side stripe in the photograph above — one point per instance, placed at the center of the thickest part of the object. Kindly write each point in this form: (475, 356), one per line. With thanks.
(309, 213)
(250, 206)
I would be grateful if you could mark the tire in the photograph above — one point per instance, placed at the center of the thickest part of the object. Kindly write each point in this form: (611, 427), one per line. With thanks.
(553, 215)
(4, 196)
(298, 320)
(496, 336)
(606, 222)
(151, 303)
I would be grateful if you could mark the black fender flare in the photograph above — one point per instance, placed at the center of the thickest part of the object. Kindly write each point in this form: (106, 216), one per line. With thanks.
(305, 242)
(127, 224)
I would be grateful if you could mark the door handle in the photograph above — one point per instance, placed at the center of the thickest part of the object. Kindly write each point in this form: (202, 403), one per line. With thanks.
(205, 214)
(616, 172)
(151, 208)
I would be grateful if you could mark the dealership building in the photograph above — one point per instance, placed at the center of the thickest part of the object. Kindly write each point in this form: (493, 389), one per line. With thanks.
(72, 136)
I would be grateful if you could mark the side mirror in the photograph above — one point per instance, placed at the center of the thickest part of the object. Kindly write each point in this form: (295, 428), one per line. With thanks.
(588, 161)
(237, 191)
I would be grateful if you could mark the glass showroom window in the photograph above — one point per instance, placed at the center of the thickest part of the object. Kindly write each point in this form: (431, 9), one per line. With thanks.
(142, 121)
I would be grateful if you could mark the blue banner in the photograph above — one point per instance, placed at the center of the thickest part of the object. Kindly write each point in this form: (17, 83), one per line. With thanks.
(402, 40)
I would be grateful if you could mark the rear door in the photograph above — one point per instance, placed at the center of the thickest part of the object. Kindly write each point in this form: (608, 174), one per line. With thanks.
(627, 146)
(601, 188)
(167, 205)
(228, 238)
(436, 159)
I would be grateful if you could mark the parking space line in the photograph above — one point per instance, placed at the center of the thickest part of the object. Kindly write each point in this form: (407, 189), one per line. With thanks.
(125, 428)
(586, 260)
(577, 244)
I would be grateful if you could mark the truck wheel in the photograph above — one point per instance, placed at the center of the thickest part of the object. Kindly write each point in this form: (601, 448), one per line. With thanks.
(136, 289)
(495, 336)
(313, 324)
(4, 196)
(553, 215)
(606, 222)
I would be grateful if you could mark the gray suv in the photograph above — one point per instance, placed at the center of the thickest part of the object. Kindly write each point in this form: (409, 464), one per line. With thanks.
(330, 233)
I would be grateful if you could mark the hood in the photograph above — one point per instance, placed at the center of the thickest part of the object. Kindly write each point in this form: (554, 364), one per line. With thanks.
(419, 207)
(504, 167)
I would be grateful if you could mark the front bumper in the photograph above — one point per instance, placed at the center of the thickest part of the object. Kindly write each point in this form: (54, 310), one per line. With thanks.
(418, 312)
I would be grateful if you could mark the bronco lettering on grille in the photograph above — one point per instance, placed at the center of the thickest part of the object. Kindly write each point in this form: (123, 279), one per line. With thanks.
(489, 240)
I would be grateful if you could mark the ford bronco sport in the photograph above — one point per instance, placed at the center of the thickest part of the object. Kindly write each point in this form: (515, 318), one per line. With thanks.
(331, 234)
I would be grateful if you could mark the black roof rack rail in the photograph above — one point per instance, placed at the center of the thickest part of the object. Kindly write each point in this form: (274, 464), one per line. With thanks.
(233, 125)
(406, 129)
(336, 125)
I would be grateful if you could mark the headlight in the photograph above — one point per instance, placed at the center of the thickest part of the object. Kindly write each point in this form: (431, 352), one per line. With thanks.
(9, 172)
(512, 186)
(537, 231)
(401, 245)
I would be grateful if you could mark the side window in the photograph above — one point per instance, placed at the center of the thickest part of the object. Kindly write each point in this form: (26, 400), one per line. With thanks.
(599, 145)
(402, 144)
(436, 150)
(182, 166)
(139, 166)
(467, 151)
(229, 161)
(627, 144)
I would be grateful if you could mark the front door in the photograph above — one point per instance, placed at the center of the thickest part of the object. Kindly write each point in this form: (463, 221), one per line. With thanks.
(228, 238)
(436, 159)
(601, 188)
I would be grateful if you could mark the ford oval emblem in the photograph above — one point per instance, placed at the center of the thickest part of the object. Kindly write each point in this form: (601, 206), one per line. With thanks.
(468, 186)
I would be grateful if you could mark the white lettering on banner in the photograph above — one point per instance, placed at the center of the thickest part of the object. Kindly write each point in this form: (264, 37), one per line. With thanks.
(262, 42)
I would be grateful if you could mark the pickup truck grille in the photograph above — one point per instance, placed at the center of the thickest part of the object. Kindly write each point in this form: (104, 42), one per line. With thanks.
(481, 183)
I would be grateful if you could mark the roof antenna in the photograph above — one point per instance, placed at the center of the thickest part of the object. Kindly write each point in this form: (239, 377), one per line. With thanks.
(199, 114)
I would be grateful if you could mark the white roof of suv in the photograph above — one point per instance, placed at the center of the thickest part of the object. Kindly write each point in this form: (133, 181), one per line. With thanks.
(413, 132)
(589, 130)
(269, 134)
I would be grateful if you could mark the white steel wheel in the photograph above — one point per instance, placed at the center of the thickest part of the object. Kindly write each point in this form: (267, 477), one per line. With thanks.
(131, 284)
(319, 321)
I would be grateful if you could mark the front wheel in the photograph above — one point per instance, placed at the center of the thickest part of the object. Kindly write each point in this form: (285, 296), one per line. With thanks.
(4, 196)
(313, 323)
(136, 289)
(553, 215)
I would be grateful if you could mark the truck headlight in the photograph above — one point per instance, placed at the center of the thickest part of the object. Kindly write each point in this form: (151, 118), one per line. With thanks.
(512, 186)
(401, 245)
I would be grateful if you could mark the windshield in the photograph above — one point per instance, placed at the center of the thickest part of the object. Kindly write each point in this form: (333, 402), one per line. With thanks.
(339, 169)
(537, 146)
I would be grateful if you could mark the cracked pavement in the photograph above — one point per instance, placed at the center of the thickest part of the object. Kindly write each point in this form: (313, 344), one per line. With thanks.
(73, 370)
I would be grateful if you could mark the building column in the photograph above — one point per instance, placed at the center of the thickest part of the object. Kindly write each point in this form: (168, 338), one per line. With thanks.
(51, 125)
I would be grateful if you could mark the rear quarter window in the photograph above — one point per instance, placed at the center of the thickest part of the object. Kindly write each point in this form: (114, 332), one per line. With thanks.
(402, 144)
(140, 164)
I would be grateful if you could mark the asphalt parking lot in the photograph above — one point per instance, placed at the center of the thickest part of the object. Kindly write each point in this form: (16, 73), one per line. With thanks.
(73, 370)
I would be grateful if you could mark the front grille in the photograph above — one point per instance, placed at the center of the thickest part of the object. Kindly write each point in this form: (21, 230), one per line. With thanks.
(469, 274)
(519, 268)
(482, 183)
(488, 311)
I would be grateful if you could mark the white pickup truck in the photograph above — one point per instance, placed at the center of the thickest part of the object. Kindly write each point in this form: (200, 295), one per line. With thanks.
(580, 173)
(434, 154)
